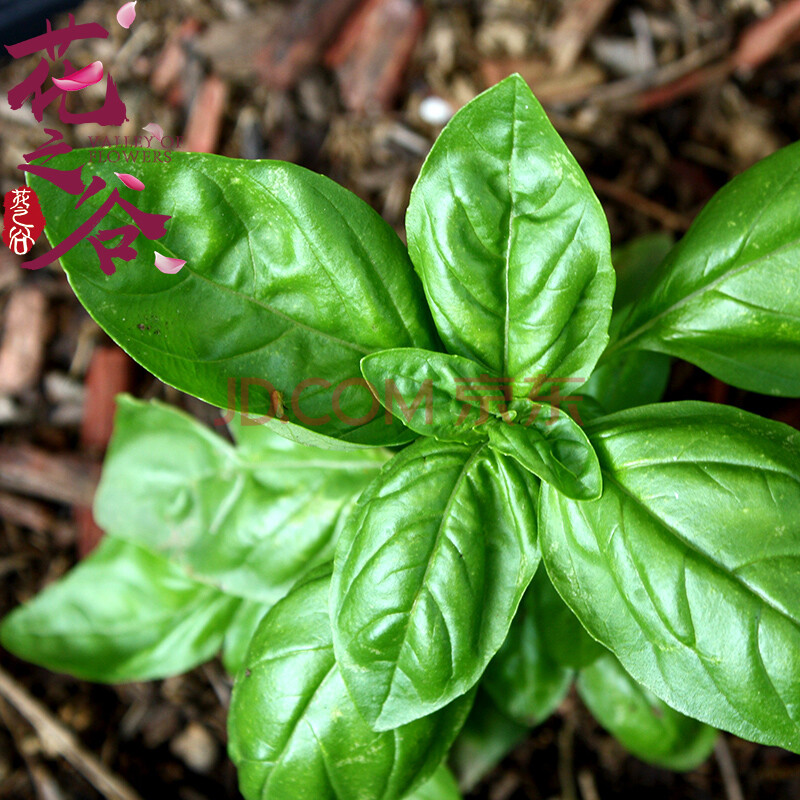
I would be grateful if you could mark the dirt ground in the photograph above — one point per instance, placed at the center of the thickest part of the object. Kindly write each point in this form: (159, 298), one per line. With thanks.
(662, 102)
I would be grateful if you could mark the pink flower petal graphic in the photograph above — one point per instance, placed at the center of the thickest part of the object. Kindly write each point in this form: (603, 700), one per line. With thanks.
(155, 129)
(168, 265)
(82, 78)
(131, 181)
(127, 14)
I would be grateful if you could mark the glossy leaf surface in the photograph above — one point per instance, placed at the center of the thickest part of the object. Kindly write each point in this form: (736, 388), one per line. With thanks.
(694, 550)
(289, 277)
(636, 262)
(294, 731)
(727, 297)
(554, 448)
(645, 725)
(250, 521)
(429, 571)
(563, 637)
(524, 681)
(511, 243)
(123, 614)
(435, 394)
(628, 379)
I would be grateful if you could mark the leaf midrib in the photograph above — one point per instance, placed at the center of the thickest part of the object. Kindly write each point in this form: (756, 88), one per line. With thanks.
(434, 551)
(701, 554)
(236, 293)
(702, 289)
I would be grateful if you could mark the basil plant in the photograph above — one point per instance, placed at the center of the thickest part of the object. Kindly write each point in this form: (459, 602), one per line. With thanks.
(453, 492)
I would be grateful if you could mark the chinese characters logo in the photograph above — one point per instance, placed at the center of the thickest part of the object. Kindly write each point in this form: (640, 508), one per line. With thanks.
(23, 221)
(21, 229)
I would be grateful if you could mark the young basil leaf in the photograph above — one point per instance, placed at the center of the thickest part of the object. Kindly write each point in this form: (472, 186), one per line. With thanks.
(727, 297)
(240, 633)
(635, 263)
(645, 725)
(122, 614)
(563, 638)
(425, 389)
(486, 738)
(442, 786)
(294, 731)
(553, 447)
(525, 683)
(693, 550)
(429, 571)
(511, 243)
(250, 521)
(628, 379)
(288, 278)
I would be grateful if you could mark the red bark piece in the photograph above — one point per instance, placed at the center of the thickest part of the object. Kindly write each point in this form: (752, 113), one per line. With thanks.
(110, 373)
(297, 42)
(763, 39)
(205, 119)
(89, 532)
(172, 60)
(373, 52)
(661, 96)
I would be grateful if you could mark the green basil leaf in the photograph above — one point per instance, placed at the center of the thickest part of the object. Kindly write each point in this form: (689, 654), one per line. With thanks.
(297, 434)
(486, 738)
(727, 297)
(294, 731)
(442, 786)
(628, 379)
(429, 571)
(425, 389)
(122, 614)
(635, 263)
(289, 277)
(250, 522)
(693, 552)
(511, 243)
(525, 683)
(240, 633)
(553, 447)
(563, 637)
(645, 725)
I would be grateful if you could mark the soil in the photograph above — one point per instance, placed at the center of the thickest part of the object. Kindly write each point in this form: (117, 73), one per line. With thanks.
(662, 102)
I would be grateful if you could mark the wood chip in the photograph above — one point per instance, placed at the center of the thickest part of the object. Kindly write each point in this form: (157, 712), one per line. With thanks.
(372, 53)
(196, 747)
(763, 39)
(233, 47)
(299, 39)
(24, 338)
(172, 60)
(570, 34)
(548, 86)
(64, 479)
(110, 373)
(57, 738)
(205, 119)
(10, 270)
(26, 513)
